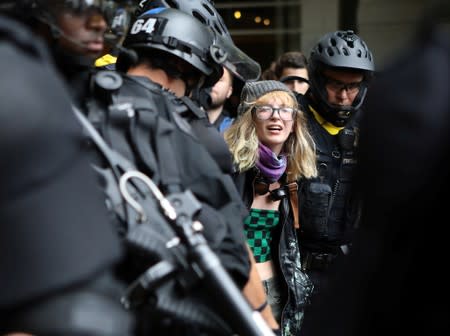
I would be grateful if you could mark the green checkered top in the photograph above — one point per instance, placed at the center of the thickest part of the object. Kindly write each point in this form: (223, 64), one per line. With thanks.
(258, 229)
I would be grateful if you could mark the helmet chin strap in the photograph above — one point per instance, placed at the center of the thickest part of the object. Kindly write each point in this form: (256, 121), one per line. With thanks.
(202, 96)
(196, 87)
(336, 115)
(342, 115)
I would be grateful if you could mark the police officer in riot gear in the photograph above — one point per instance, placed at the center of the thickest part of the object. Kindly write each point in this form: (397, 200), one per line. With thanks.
(164, 70)
(58, 246)
(222, 51)
(340, 68)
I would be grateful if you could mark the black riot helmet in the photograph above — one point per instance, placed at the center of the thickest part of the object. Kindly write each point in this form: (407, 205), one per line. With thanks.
(172, 31)
(339, 50)
(239, 63)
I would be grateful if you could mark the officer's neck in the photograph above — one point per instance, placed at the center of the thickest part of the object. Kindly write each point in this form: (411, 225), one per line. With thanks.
(159, 76)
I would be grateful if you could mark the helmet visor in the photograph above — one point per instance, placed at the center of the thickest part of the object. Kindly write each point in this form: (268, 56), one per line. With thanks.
(116, 13)
(235, 60)
(106, 7)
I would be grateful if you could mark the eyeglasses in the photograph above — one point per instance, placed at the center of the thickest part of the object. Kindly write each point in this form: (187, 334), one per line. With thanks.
(266, 112)
(338, 86)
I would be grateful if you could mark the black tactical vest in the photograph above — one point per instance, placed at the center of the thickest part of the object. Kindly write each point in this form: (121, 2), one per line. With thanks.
(44, 176)
(148, 127)
(328, 208)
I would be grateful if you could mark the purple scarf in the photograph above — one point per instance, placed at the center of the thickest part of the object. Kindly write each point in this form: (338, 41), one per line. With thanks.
(270, 166)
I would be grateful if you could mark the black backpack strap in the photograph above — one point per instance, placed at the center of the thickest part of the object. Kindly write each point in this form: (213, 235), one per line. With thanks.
(130, 133)
(118, 163)
(169, 168)
(149, 129)
(197, 111)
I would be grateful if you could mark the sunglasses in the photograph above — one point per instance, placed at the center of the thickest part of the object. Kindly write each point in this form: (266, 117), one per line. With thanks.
(262, 187)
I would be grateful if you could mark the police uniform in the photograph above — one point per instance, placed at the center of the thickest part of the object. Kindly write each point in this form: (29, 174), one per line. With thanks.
(55, 234)
(329, 207)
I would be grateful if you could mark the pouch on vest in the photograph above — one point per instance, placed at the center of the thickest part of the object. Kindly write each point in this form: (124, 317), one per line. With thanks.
(315, 202)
